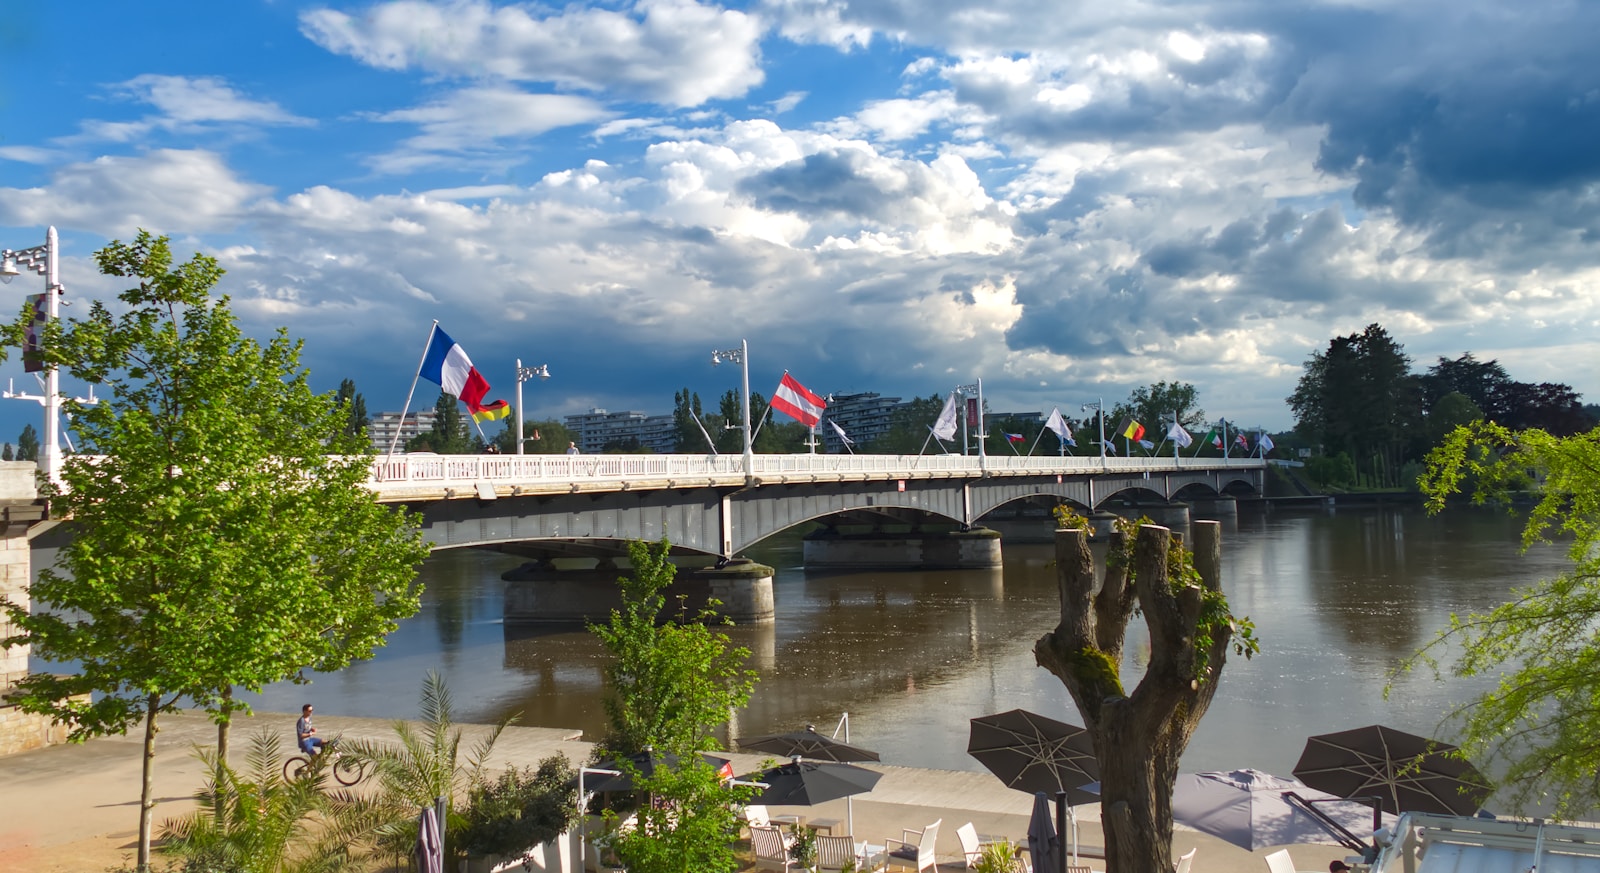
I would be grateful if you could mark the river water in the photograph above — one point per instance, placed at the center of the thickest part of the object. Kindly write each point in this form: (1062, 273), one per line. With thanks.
(1338, 597)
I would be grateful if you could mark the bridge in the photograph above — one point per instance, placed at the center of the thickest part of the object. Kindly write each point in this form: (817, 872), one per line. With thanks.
(717, 505)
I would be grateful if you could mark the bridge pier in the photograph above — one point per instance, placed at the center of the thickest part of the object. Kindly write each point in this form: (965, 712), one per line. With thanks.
(539, 592)
(975, 549)
(1220, 506)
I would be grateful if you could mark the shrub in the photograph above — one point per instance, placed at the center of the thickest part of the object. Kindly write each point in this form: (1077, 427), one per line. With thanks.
(520, 810)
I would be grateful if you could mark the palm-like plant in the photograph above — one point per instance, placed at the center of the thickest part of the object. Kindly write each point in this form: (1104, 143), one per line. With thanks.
(254, 821)
(424, 765)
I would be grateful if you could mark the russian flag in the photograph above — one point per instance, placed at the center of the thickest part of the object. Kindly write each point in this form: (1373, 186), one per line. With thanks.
(446, 364)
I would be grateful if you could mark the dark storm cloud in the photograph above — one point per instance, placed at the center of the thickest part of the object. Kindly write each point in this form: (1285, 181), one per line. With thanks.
(831, 184)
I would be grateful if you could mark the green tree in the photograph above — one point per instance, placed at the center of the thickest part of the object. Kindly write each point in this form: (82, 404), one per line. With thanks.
(448, 435)
(28, 444)
(6, 453)
(544, 437)
(1154, 404)
(1537, 726)
(674, 681)
(686, 826)
(908, 427)
(685, 410)
(1140, 735)
(224, 535)
(356, 419)
(1359, 397)
(1450, 412)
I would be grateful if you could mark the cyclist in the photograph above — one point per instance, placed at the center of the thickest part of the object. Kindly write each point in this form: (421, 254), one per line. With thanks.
(305, 734)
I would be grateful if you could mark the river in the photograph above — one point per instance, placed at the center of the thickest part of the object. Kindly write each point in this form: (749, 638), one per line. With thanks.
(1338, 598)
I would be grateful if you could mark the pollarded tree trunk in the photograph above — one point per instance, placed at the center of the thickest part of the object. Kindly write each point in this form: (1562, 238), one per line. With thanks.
(1139, 737)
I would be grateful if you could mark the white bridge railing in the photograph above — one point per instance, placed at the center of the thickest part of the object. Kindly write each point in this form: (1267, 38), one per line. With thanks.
(559, 469)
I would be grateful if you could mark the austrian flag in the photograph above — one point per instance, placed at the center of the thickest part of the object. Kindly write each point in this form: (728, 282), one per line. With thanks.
(798, 403)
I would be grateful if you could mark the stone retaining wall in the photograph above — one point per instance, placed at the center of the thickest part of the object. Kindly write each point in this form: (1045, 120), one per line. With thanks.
(23, 731)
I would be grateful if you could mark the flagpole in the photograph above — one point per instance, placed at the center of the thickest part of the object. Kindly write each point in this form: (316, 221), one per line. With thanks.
(1036, 440)
(1226, 446)
(399, 426)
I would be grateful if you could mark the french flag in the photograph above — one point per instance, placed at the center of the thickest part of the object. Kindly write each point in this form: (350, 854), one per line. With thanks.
(446, 364)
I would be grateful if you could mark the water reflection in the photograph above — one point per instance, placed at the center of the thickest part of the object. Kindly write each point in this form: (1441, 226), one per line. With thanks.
(1338, 599)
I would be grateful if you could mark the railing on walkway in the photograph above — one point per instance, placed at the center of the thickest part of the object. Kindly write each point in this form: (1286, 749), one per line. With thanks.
(554, 469)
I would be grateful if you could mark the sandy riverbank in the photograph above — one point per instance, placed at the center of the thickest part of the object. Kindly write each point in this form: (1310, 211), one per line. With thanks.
(74, 809)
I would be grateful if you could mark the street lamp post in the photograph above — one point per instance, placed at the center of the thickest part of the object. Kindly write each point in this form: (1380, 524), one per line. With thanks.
(974, 390)
(524, 374)
(1099, 406)
(741, 356)
(42, 259)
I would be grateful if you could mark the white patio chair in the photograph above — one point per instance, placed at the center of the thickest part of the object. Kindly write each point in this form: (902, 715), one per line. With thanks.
(771, 847)
(970, 846)
(918, 854)
(833, 853)
(1280, 862)
(1185, 861)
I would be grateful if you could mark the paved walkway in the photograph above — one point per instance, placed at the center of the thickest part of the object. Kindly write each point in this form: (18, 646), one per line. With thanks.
(76, 808)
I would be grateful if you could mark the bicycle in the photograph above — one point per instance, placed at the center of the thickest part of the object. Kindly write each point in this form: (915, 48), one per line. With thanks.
(347, 769)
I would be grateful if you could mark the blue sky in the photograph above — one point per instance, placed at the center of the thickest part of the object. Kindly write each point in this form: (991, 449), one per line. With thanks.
(1068, 200)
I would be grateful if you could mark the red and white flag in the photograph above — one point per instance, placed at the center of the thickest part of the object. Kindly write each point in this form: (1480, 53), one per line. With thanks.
(798, 403)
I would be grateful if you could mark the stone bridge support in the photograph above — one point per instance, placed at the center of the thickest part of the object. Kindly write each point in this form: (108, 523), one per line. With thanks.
(20, 511)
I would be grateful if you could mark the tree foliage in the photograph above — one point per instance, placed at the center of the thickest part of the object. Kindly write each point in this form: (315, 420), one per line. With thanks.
(520, 809)
(908, 427)
(674, 679)
(1537, 727)
(355, 406)
(449, 434)
(686, 827)
(28, 444)
(425, 762)
(1153, 406)
(224, 536)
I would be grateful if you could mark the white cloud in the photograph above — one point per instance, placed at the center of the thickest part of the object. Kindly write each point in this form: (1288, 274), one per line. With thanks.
(202, 100)
(472, 121)
(674, 52)
(186, 105)
(164, 191)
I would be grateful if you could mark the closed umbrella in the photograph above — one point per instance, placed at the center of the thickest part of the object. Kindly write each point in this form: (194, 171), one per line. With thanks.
(1043, 843)
(430, 843)
(1410, 773)
(1251, 810)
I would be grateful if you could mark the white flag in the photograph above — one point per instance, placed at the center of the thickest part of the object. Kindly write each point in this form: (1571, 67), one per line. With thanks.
(1264, 443)
(840, 431)
(945, 427)
(1058, 425)
(1177, 434)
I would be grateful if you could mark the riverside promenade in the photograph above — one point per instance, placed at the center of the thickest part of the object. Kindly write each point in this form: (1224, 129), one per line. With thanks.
(75, 808)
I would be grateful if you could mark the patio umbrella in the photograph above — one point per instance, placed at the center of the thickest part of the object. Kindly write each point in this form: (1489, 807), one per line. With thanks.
(1032, 753)
(807, 783)
(808, 744)
(1248, 809)
(1410, 773)
(430, 844)
(1044, 846)
(645, 763)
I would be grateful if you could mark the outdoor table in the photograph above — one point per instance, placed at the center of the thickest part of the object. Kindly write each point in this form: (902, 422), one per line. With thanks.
(824, 824)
